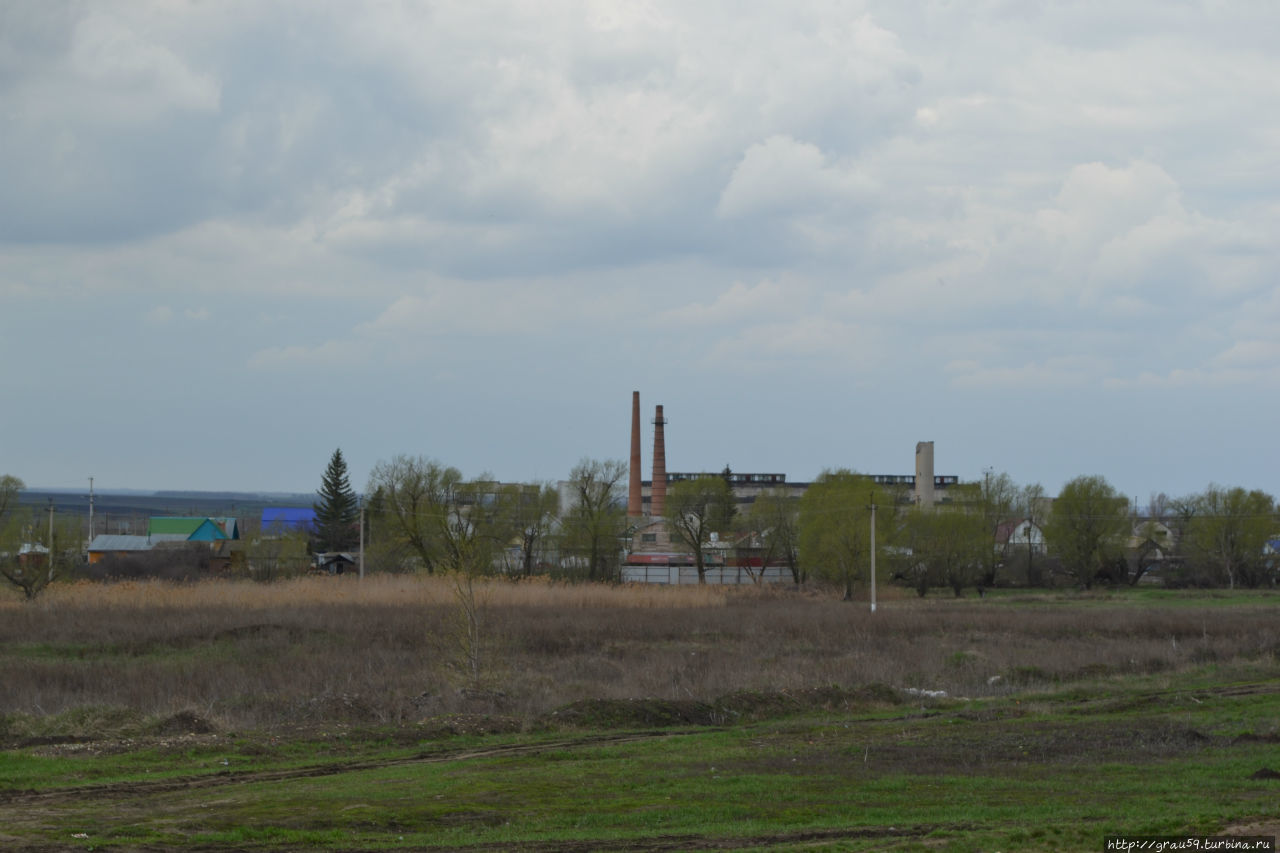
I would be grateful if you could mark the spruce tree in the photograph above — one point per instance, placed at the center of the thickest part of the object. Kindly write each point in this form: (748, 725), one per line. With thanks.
(337, 514)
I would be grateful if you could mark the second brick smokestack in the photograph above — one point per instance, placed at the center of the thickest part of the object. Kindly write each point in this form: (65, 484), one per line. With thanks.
(658, 491)
(635, 505)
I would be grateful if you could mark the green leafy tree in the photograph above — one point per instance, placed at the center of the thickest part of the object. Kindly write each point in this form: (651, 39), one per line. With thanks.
(1087, 527)
(1230, 531)
(337, 511)
(835, 526)
(594, 517)
(948, 544)
(697, 508)
(385, 549)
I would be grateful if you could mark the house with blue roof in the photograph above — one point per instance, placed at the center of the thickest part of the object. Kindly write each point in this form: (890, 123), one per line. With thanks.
(1271, 551)
(282, 518)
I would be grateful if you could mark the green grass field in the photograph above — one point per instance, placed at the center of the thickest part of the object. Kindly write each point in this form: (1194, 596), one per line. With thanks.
(1192, 749)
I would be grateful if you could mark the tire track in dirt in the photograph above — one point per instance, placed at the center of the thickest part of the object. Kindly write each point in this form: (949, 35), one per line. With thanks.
(656, 843)
(650, 844)
(1257, 688)
(227, 778)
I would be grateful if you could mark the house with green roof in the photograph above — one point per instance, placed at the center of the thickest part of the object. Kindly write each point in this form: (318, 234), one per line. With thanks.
(193, 529)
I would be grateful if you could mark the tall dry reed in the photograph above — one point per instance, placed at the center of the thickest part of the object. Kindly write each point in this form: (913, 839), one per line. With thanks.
(384, 650)
(374, 590)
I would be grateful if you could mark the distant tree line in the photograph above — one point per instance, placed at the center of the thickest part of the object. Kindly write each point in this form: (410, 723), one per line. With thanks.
(428, 517)
(421, 515)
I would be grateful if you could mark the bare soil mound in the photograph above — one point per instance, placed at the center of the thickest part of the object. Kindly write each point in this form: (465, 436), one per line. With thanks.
(184, 722)
(739, 706)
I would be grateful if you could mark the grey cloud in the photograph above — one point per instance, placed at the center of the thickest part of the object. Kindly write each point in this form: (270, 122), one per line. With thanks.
(692, 194)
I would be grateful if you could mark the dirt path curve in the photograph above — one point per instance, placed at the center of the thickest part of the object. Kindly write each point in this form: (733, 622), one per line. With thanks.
(657, 843)
(651, 844)
(226, 778)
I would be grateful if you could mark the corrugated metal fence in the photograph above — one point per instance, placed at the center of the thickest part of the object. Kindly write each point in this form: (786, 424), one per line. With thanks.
(714, 574)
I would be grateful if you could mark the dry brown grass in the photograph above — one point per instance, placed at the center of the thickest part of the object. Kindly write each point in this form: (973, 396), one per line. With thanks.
(376, 590)
(385, 650)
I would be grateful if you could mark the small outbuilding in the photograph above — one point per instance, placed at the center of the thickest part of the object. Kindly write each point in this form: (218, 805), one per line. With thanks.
(117, 545)
(335, 562)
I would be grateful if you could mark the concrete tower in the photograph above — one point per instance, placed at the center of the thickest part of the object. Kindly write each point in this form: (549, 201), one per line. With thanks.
(924, 473)
(635, 501)
(658, 491)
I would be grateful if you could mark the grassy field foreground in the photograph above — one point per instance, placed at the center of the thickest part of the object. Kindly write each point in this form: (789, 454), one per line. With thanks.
(1066, 719)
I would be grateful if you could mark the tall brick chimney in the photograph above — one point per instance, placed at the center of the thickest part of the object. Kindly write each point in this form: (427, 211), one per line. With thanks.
(658, 491)
(635, 503)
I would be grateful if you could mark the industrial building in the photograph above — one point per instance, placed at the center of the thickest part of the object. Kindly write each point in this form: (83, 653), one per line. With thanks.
(651, 556)
(924, 485)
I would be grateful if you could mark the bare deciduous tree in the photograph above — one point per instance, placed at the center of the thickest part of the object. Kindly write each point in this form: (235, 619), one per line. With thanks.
(594, 517)
(44, 562)
(697, 508)
(773, 518)
(277, 551)
(417, 501)
(1034, 508)
(527, 513)
(996, 498)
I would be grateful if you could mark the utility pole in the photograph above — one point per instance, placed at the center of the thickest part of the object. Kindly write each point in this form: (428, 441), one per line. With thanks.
(362, 541)
(873, 552)
(91, 510)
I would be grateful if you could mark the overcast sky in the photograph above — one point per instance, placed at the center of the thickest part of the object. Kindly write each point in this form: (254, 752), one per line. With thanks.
(1043, 235)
